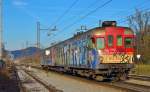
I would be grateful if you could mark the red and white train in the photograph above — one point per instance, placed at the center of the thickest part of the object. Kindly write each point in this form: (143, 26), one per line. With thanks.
(100, 53)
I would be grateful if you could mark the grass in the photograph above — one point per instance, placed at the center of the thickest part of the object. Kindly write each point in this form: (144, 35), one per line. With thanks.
(142, 69)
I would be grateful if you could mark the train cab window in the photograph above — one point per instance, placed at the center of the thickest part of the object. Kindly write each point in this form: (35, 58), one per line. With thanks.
(110, 40)
(91, 43)
(100, 43)
(129, 42)
(119, 40)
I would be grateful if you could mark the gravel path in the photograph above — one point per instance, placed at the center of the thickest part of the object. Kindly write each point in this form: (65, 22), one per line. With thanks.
(29, 84)
(71, 85)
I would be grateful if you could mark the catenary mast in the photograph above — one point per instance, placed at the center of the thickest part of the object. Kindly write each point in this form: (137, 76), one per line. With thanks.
(1, 30)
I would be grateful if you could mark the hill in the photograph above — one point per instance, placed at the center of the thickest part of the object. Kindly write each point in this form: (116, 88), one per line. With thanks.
(24, 52)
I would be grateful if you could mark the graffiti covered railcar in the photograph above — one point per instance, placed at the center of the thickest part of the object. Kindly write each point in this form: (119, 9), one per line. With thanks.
(101, 53)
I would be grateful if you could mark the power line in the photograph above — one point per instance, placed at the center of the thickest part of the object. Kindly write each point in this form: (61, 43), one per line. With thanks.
(63, 14)
(148, 1)
(88, 7)
(93, 4)
(84, 10)
(89, 13)
(75, 22)
(122, 21)
(96, 1)
(132, 7)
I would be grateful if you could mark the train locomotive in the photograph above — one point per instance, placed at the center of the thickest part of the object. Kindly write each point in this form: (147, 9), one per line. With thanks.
(100, 53)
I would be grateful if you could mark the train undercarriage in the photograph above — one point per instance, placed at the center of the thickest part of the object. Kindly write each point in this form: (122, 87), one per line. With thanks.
(112, 72)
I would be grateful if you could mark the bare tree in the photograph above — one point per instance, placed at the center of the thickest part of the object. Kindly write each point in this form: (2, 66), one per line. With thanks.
(140, 23)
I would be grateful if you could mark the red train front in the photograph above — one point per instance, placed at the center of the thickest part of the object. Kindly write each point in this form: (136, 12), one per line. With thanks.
(114, 44)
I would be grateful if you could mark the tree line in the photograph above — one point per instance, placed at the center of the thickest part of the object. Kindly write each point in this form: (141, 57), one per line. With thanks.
(140, 23)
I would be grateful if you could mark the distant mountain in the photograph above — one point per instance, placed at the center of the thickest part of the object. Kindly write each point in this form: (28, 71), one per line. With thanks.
(25, 52)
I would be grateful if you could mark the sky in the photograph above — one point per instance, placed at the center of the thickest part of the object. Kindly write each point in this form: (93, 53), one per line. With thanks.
(20, 18)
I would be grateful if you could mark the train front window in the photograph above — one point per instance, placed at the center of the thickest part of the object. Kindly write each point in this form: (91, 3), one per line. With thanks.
(119, 40)
(100, 43)
(128, 42)
(110, 40)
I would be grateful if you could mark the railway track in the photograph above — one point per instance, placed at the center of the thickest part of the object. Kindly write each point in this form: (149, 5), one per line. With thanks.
(131, 87)
(140, 77)
(49, 87)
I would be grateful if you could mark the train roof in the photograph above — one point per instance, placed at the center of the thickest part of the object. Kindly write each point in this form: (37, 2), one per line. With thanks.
(93, 29)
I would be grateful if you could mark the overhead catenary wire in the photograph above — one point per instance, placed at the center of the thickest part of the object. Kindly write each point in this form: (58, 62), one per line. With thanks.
(64, 13)
(88, 7)
(85, 10)
(96, 1)
(122, 21)
(86, 15)
(118, 22)
(131, 8)
(125, 20)
(91, 5)
(89, 13)
(92, 12)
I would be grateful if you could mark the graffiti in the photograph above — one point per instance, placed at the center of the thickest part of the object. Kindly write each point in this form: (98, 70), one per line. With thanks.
(82, 52)
(125, 58)
(117, 58)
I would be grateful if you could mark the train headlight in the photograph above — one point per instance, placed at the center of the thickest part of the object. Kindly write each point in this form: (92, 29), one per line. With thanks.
(99, 52)
(138, 56)
(47, 52)
(76, 51)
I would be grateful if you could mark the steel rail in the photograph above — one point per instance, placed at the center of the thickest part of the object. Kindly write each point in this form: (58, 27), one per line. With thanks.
(121, 84)
(140, 77)
(47, 86)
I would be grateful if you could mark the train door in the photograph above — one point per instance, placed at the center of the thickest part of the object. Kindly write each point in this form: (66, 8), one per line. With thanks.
(114, 45)
(114, 38)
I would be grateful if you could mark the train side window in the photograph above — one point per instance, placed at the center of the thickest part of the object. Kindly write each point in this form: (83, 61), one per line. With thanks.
(119, 40)
(91, 43)
(129, 42)
(110, 40)
(100, 43)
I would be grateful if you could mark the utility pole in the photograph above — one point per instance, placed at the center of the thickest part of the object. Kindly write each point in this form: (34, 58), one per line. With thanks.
(83, 27)
(100, 23)
(38, 32)
(1, 30)
(38, 37)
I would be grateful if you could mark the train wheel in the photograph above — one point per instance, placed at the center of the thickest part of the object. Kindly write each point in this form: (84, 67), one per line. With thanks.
(115, 79)
(93, 76)
(81, 73)
(99, 78)
(124, 76)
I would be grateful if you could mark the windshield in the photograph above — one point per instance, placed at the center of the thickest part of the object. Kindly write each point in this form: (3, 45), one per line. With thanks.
(129, 42)
(110, 40)
(119, 40)
(100, 43)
